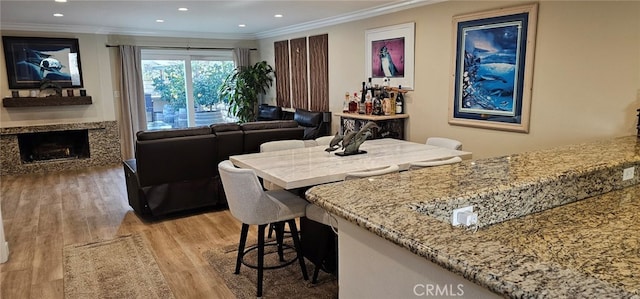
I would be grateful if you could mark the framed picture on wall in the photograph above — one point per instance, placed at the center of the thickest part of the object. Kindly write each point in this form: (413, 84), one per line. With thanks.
(33, 60)
(390, 54)
(492, 68)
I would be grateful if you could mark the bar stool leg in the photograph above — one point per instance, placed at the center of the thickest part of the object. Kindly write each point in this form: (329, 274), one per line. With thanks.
(296, 244)
(271, 228)
(279, 228)
(243, 241)
(260, 258)
(316, 271)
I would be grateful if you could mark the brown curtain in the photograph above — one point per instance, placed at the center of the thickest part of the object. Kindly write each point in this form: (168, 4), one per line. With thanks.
(319, 72)
(299, 91)
(281, 51)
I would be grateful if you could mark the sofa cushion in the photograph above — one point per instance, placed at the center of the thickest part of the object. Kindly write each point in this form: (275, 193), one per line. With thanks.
(229, 143)
(170, 133)
(176, 159)
(264, 125)
(225, 127)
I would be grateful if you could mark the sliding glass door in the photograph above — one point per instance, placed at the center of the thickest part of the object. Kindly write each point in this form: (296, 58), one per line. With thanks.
(181, 87)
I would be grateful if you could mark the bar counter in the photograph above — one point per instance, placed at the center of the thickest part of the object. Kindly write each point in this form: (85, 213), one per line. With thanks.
(553, 223)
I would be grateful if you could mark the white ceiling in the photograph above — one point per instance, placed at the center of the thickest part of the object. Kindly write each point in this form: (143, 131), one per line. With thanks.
(204, 19)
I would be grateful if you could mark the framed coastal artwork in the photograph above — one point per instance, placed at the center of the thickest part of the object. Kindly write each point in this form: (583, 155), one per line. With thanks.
(33, 60)
(492, 68)
(390, 54)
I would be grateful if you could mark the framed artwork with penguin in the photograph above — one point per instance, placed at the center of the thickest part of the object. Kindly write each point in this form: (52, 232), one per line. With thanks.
(390, 55)
(33, 60)
(492, 69)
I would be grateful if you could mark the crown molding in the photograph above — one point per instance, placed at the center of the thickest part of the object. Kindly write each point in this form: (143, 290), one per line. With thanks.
(359, 15)
(122, 31)
(350, 17)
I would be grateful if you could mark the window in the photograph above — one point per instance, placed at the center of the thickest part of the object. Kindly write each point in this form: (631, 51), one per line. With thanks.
(181, 87)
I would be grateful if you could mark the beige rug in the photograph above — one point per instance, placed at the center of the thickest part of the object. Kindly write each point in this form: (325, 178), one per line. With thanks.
(285, 282)
(118, 268)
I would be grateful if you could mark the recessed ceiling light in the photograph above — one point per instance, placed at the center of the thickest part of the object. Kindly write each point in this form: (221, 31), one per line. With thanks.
(159, 21)
(242, 25)
(61, 1)
(278, 16)
(183, 9)
(58, 15)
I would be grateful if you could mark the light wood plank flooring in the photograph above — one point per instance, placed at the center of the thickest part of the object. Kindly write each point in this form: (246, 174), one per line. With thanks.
(42, 213)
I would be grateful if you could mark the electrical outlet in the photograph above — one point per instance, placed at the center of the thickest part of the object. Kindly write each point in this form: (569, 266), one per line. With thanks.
(628, 173)
(454, 217)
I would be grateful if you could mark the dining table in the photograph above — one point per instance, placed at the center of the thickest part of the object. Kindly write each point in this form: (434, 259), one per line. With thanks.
(301, 168)
(314, 165)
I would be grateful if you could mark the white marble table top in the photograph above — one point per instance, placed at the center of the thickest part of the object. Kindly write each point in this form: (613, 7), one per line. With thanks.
(311, 166)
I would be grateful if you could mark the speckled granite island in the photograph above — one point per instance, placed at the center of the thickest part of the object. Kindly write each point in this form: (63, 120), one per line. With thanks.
(553, 223)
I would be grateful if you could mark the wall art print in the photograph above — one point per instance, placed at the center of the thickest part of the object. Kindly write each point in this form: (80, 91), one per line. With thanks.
(31, 60)
(493, 68)
(390, 54)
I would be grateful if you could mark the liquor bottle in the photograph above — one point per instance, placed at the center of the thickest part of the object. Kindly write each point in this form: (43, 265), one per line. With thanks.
(399, 101)
(373, 89)
(386, 106)
(392, 103)
(377, 105)
(345, 106)
(368, 105)
(353, 104)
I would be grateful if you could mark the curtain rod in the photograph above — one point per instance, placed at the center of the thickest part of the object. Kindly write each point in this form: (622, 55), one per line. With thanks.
(181, 48)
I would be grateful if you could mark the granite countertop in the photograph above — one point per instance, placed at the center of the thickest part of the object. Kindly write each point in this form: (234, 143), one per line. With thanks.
(553, 223)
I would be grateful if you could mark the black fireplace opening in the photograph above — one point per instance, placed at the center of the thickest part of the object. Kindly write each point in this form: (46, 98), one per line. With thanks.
(54, 145)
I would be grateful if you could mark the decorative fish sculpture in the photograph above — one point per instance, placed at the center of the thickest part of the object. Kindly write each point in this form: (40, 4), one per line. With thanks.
(334, 144)
(357, 139)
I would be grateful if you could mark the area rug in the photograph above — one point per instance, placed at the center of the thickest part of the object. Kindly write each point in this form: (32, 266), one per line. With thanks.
(118, 268)
(285, 282)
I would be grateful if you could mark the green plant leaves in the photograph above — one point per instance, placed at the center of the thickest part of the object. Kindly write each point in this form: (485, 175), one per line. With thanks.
(242, 88)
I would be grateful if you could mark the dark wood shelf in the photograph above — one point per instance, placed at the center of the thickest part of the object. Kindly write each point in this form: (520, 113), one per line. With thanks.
(46, 101)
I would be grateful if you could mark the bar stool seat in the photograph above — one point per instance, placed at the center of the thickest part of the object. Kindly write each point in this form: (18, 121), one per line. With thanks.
(251, 205)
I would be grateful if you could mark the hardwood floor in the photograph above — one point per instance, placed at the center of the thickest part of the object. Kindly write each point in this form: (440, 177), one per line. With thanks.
(43, 213)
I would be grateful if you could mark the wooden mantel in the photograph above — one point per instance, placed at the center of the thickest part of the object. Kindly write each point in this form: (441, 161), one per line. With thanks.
(46, 101)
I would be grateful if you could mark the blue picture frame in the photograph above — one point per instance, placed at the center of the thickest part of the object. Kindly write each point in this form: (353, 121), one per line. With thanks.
(492, 68)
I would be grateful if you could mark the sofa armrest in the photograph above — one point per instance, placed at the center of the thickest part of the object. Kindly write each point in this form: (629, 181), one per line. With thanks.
(134, 193)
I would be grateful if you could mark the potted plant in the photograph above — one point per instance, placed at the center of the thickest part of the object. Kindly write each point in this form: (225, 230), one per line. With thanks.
(242, 88)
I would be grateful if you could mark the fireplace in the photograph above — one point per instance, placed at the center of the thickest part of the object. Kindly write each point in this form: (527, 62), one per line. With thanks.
(58, 147)
(53, 145)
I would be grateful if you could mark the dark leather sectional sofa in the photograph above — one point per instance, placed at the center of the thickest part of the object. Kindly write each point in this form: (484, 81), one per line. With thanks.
(176, 170)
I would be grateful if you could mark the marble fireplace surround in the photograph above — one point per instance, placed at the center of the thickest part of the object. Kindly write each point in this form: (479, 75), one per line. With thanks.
(104, 148)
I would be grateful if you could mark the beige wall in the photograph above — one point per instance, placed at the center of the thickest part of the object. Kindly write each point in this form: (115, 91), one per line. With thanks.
(586, 72)
(100, 74)
(96, 75)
